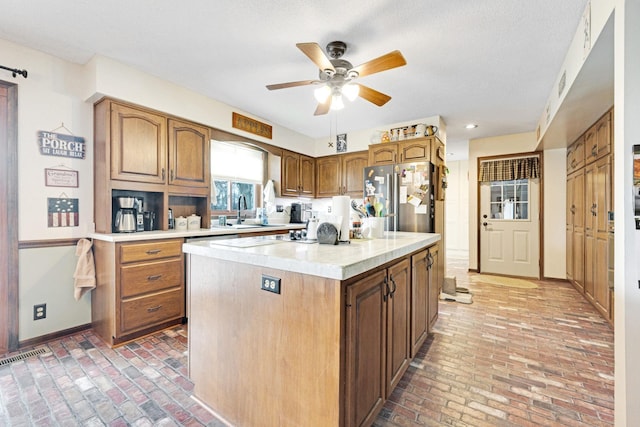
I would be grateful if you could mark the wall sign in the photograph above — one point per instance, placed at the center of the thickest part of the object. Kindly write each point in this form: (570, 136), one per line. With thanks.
(60, 178)
(251, 125)
(62, 212)
(57, 144)
(341, 143)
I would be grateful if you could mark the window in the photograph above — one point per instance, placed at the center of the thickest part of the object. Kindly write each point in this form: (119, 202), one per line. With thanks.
(510, 199)
(236, 170)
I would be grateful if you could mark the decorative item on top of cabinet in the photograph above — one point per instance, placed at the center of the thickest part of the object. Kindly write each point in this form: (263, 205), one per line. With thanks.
(338, 175)
(140, 288)
(298, 174)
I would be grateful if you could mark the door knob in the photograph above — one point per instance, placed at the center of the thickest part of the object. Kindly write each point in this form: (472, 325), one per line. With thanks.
(484, 216)
(485, 223)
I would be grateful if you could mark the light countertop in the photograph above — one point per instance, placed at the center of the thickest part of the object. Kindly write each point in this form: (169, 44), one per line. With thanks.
(187, 234)
(340, 261)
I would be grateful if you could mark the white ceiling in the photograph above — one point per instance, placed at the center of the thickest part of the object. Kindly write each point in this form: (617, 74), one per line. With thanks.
(491, 62)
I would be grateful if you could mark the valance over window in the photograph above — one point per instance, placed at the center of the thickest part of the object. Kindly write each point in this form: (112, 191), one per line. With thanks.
(510, 169)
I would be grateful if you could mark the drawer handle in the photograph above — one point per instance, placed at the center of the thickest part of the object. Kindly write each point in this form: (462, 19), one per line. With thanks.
(154, 277)
(154, 309)
(154, 251)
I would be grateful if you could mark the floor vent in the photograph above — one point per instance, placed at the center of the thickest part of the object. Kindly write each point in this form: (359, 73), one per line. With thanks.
(22, 356)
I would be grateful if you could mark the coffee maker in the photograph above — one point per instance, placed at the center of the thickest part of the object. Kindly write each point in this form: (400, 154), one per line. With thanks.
(126, 216)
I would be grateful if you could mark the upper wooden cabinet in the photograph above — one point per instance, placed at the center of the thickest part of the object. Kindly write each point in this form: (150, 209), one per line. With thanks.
(411, 150)
(188, 154)
(298, 174)
(341, 174)
(138, 145)
(576, 155)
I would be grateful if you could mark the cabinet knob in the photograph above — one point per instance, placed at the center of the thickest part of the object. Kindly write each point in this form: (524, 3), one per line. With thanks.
(163, 174)
(394, 285)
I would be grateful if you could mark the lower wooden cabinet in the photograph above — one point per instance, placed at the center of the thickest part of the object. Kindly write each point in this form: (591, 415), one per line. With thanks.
(140, 288)
(378, 338)
(436, 276)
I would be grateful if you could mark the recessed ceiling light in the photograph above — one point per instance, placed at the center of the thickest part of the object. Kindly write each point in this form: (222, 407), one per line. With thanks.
(471, 126)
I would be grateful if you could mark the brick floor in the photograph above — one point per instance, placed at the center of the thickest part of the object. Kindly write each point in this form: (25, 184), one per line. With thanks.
(514, 357)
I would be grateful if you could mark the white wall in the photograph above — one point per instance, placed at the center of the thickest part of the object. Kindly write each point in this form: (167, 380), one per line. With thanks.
(457, 208)
(554, 213)
(627, 239)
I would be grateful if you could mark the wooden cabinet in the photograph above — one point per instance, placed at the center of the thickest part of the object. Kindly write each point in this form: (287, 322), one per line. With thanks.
(589, 201)
(575, 228)
(597, 201)
(138, 145)
(378, 310)
(298, 174)
(411, 150)
(341, 174)
(149, 155)
(598, 138)
(420, 266)
(189, 156)
(140, 288)
(436, 276)
(576, 155)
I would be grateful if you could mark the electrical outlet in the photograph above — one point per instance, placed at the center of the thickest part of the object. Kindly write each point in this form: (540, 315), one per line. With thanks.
(271, 284)
(39, 311)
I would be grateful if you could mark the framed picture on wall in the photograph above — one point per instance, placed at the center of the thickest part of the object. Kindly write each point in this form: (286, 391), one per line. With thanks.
(341, 143)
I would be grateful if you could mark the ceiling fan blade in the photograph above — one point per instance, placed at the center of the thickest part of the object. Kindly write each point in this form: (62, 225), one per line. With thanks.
(373, 95)
(291, 84)
(316, 54)
(323, 107)
(382, 63)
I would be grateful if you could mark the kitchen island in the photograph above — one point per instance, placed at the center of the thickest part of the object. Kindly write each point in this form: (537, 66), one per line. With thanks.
(286, 333)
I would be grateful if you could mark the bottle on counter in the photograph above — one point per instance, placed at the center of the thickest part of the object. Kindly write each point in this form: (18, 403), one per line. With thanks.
(171, 221)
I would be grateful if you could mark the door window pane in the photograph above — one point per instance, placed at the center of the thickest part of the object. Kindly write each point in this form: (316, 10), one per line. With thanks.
(510, 200)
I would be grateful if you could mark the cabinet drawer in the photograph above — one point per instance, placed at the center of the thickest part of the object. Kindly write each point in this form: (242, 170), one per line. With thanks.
(147, 311)
(150, 277)
(150, 251)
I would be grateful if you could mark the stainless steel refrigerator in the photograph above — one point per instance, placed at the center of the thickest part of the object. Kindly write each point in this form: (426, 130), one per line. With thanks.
(403, 193)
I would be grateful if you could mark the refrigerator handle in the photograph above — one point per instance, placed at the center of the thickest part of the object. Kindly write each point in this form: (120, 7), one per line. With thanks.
(394, 205)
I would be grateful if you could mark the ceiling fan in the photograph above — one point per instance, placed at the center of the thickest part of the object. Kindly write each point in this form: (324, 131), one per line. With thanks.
(337, 76)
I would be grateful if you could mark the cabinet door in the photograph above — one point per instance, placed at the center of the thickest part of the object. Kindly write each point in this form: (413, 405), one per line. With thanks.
(307, 176)
(290, 167)
(434, 287)
(589, 228)
(138, 145)
(601, 256)
(603, 132)
(576, 155)
(188, 154)
(419, 300)
(353, 173)
(365, 349)
(383, 154)
(398, 321)
(591, 145)
(328, 173)
(415, 151)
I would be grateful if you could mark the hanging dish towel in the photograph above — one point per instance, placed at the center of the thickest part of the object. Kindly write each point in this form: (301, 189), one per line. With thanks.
(84, 278)
(269, 197)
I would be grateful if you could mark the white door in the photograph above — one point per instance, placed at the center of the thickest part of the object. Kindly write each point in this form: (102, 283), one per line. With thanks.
(509, 227)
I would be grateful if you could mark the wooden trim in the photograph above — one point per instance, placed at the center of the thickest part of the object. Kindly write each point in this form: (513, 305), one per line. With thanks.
(9, 271)
(31, 244)
(32, 342)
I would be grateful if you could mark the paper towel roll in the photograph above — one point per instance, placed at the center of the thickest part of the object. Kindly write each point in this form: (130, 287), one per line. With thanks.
(340, 208)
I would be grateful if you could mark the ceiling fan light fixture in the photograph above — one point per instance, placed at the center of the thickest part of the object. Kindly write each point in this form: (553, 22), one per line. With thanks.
(322, 93)
(337, 103)
(351, 91)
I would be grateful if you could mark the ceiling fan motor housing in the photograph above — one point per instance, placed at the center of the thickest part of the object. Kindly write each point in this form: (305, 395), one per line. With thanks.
(336, 49)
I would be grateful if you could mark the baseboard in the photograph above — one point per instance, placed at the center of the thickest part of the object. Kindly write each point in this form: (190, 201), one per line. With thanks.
(32, 342)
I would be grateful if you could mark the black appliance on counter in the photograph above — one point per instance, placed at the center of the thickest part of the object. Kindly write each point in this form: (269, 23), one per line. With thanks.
(296, 213)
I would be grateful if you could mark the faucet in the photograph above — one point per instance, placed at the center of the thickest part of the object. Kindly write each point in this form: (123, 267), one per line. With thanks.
(241, 199)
